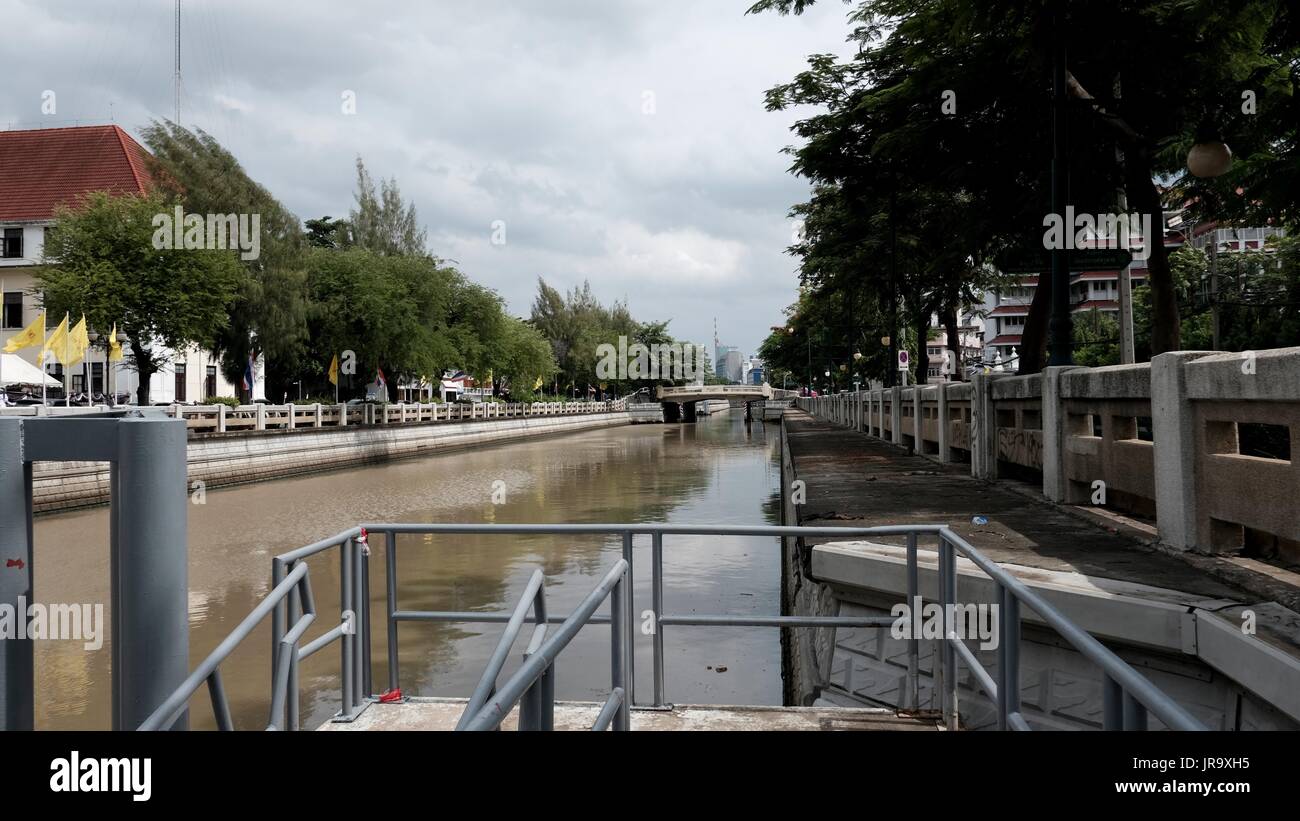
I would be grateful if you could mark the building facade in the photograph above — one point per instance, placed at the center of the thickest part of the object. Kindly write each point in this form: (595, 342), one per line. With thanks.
(43, 169)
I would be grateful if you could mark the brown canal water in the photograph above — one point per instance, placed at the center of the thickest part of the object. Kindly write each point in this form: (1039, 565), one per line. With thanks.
(721, 470)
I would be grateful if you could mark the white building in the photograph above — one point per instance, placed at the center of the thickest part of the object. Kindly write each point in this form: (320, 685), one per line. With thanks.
(42, 169)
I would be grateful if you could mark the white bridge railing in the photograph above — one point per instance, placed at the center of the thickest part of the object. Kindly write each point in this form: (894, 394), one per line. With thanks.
(224, 419)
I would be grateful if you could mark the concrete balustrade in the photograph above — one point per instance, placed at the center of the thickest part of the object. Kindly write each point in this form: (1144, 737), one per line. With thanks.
(1175, 440)
(221, 418)
(263, 417)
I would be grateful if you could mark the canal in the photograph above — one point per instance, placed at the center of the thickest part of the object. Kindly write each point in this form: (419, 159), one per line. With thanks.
(719, 471)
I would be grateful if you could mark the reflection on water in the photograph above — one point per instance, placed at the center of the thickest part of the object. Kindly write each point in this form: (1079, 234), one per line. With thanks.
(720, 471)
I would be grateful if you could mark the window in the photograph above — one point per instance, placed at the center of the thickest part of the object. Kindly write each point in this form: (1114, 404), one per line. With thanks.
(210, 383)
(96, 377)
(13, 243)
(180, 381)
(13, 310)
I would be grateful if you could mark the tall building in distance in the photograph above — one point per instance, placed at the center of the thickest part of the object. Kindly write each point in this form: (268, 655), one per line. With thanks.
(729, 364)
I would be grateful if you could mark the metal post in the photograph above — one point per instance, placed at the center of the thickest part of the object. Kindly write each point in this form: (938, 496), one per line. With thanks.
(1135, 715)
(629, 626)
(390, 563)
(149, 569)
(368, 665)
(657, 602)
(948, 597)
(1112, 697)
(292, 716)
(278, 619)
(17, 670)
(346, 611)
(937, 655)
(220, 705)
(546, 691)
(617, 666)
(914, 643)
(1008, 658)
(359, 603)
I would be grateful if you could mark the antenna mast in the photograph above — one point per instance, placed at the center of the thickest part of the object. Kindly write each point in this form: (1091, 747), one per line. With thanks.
(178, 62)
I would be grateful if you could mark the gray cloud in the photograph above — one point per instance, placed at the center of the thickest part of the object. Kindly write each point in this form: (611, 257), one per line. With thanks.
(526, 112)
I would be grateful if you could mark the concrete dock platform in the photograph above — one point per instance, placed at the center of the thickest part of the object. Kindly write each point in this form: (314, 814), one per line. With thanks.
(443, 713)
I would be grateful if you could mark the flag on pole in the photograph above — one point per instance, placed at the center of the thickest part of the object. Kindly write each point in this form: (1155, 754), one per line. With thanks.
(58, 343)
(78, 343)
(380, 381)
(114, 347)
(33, 334)
(334, 371)
(247, 382)
(538, 383)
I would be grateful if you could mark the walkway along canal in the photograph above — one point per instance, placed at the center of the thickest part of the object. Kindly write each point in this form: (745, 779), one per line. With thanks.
(719, 471)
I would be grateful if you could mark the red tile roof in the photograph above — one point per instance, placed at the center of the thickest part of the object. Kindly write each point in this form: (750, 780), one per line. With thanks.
(1010, 310)
(1099, 304)
(46, 167)
(1005, 339)
(1138, 273)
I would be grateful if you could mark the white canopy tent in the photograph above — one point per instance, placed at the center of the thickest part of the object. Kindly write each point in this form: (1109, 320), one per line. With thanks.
(14, 370)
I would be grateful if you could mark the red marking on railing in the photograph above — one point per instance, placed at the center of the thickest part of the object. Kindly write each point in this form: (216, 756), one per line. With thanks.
(18, 563)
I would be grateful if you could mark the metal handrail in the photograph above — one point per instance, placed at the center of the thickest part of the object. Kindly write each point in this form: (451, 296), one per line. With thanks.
(209, 670)
(534, 596)
(537, 707)
(1128, 695)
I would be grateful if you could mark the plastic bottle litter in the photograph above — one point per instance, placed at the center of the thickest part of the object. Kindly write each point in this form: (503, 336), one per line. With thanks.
(980, 520)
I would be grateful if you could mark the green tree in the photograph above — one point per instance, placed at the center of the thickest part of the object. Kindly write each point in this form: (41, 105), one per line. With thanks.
(269, 319)
(328, 233)
(1096, 339)
(1146, 80)
(381, 222)
(103, 264)
(526, 358)
(390, 311)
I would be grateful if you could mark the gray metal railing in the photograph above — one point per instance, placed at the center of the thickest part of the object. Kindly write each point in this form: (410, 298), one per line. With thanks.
(1128, 695)
(532, 687)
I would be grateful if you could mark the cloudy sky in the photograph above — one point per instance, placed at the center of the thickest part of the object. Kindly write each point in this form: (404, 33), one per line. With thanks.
(619, 141)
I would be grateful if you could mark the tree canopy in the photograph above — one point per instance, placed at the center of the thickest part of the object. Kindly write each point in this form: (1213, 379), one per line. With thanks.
(929, 150)
(103, 264)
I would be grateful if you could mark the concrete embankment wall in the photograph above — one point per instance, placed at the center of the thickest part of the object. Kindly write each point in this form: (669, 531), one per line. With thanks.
(235, 458)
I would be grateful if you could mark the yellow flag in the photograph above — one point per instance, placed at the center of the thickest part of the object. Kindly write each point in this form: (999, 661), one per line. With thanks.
(334, 371)
(538, 383)
(114, 347)
(79, 343)
(33, 334)
(57, 344)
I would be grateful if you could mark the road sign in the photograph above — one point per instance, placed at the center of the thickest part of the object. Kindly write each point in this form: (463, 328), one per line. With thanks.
(1084, 259)
(902, 360)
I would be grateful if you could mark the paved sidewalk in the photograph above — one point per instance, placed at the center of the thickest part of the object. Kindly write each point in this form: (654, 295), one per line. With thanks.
(854, 479)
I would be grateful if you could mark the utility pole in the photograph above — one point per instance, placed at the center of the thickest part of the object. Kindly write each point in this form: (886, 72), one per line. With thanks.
(891, 378)
(1214, 287)
(1060, 330)
(1127, 344)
